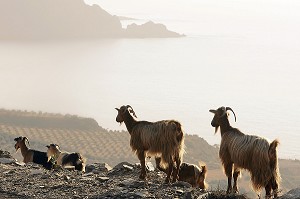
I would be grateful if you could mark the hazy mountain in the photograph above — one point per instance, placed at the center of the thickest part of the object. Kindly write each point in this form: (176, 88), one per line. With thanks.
(61, 19)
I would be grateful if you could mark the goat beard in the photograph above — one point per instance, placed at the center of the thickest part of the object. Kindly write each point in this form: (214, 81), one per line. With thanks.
(121, 123)
(216, 129)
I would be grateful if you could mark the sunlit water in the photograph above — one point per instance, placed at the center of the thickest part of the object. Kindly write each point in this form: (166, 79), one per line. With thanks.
(180, 78)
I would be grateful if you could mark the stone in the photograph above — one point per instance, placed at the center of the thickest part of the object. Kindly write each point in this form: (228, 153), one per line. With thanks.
(141, 194)
(121, 165)
(7, 160)
(102, 179)
(149, 166)
(292, 194)
(69, 168)
(181, 184)
(36, 171)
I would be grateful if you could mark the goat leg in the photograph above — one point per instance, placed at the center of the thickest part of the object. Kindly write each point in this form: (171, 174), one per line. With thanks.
(141, 156)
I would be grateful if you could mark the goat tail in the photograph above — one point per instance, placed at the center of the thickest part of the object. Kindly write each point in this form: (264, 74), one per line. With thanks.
(274, 160)
(203, 173)
(180, 140)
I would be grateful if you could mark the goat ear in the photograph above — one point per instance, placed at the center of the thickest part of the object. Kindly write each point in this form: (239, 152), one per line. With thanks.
(212, 111)
(117, 109)
(48, 146)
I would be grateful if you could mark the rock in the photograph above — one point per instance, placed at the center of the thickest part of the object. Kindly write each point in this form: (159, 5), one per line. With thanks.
(129, 168)
(292, 194)
(180, 191)
(66, 178)
(69, 168)
(123, 165)
(203, 196)
(7, 160)
(36, 171)
(149, 166)
(181, 184)
(97, 167)
(5, 154)
(102, 179)
(142, 194)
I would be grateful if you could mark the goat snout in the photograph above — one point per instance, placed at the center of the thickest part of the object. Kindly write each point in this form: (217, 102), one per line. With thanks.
(213, 124)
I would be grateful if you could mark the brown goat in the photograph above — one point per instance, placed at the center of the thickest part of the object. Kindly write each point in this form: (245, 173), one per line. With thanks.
(189, 173)
(253, 153)
(64, 158)
(163, 139)
(31, 155)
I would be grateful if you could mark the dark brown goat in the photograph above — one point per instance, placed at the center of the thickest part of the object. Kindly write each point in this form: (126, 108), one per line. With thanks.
(163, 139)
(253, 153)
(190, 173)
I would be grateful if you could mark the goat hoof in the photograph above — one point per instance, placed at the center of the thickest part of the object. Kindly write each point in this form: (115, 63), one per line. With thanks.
(142, 177)
(167, 181)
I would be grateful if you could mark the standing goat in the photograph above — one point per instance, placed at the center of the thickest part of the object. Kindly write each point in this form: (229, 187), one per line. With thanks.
(31, 155)
(163, 139)
(240, 151)
(64, 158)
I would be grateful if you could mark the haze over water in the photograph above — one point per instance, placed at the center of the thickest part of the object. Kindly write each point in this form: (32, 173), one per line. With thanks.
(243, 55)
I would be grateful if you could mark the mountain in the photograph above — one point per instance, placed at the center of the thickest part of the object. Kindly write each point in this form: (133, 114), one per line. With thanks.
(64, 19)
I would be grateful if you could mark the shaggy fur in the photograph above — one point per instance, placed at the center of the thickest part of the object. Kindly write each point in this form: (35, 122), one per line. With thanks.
(31, 155)
(249, 152)
(64, 158)
(189, 173)
(163, 139)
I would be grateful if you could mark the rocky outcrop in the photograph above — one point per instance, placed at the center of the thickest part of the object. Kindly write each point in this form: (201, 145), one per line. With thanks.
(101, 181)
(292, 194)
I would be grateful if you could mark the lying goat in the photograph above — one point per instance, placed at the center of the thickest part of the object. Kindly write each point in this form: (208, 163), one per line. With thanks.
(31, 155)
(64, 158)
(189, 173)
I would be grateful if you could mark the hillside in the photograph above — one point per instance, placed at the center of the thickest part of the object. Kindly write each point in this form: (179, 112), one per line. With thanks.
(65, 19)
(75, 133)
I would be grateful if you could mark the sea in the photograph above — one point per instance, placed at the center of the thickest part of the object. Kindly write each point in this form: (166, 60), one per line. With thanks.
(254, 71)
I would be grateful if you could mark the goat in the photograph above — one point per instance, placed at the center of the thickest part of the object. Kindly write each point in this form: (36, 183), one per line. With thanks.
(239, 151)
(163, 139)
(64, 158)
(190, 173)
(31, 155)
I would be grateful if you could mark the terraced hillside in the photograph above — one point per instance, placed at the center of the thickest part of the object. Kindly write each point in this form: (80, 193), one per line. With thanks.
(84, 135)
(75, 133)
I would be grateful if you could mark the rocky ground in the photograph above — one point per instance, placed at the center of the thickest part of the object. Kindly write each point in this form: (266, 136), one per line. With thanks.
(99, 181)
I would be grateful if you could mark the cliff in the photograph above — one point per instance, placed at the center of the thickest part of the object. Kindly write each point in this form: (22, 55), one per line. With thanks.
(65, 19)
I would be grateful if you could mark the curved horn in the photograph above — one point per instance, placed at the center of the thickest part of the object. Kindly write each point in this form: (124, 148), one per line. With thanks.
(224, 111)
(230, 109)
(131, 111)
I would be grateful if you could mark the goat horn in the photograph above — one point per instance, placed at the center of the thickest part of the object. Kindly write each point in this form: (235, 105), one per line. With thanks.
(230, 109)
(131, 111)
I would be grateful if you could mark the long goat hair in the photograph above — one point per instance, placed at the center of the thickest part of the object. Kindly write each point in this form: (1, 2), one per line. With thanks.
(163, 138)
(249, 152)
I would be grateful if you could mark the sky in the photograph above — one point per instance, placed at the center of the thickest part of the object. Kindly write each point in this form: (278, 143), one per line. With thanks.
(276, 17)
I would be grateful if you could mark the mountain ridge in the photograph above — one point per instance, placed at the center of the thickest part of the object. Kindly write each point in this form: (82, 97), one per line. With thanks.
(66, 19)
